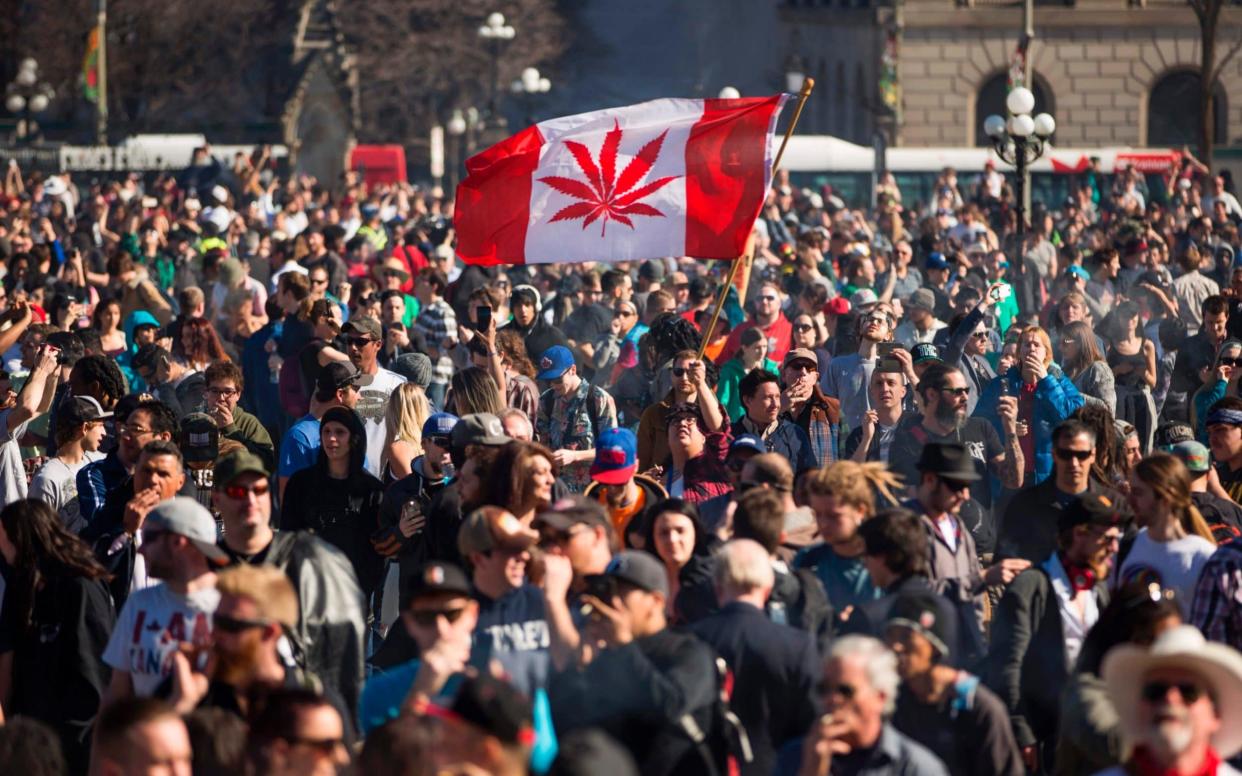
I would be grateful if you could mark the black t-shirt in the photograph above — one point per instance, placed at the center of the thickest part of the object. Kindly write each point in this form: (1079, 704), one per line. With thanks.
(969, 730)
(1230, 480)
(588, 323)
(983, 444)
(344, 513)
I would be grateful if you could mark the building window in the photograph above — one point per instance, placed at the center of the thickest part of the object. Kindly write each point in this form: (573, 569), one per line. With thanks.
(991, 100)
(1173, 118)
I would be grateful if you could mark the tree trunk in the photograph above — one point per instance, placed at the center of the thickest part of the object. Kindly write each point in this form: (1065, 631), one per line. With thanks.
(1207, 81)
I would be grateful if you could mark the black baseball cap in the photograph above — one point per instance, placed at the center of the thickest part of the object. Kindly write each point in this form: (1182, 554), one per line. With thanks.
(76, 410)
(335, 376)
(639, 569)
(437, 577)
(921, 613)
(495, 707)
(1093, 509)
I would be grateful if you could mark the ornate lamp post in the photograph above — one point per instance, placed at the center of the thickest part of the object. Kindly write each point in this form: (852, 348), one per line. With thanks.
(530, 84)
(495, 32)
(1020, 141)
(26, 96)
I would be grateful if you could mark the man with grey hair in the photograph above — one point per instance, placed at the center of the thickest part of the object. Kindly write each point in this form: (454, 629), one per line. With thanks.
(517, 424)
(774, 666)
(859, 693)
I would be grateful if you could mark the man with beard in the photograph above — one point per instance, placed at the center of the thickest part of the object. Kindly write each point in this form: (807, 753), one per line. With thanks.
(1179, 703)
(179, 544)
(1039, 626)
(946, 396)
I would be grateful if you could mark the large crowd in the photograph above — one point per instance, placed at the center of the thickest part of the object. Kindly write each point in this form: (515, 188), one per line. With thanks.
(288, 488)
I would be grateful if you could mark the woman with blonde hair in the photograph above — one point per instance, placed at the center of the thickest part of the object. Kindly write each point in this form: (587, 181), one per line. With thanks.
(842, 495)
(408, 409)
(1174, 541)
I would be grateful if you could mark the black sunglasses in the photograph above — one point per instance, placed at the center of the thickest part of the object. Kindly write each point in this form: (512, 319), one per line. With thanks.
(1155, 692)
(361, 342)
(440, 441)
(324, 746)
(802, 327)
(428, 618)
(680, 371)
(1229, 361)
(955, 485)
(846, 691)
(957, 391)
(227, 624)
(1081, 455)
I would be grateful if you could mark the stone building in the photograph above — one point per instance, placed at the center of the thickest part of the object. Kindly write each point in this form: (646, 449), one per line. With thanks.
(1112, 72)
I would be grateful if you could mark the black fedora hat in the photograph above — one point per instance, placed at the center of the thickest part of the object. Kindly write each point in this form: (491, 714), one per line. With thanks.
(949, 460)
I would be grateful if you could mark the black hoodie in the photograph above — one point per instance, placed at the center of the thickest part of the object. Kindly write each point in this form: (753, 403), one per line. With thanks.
(344, 513)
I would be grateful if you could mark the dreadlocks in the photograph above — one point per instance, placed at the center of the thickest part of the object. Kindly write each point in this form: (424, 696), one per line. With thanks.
(670, 333)
(103, 372)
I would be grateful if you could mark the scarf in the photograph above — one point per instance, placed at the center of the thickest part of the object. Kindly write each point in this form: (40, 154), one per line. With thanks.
(1143, 763)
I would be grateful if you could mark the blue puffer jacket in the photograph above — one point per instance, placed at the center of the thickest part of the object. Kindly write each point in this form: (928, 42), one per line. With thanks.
(1055, 399)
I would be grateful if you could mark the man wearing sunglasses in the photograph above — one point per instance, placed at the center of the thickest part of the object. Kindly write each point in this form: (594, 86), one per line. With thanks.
(1180, 703)
(766, 316)
(1043, 617)
(850, 375)
(179, 545)
(365, 338)
(1219, 380)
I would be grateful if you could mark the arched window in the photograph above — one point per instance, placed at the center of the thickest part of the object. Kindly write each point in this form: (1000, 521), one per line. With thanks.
(991, 99)
(1173, 118)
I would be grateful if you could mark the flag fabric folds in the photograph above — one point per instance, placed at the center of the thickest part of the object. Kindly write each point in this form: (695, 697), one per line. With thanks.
(670, 177)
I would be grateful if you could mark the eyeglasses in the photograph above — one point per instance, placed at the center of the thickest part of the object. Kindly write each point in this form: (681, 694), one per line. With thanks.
(133, 431)
(223, 391)
(1065, 455)
(226, 624)
(428, 618)
(802, 327)
(846, 691)
(1154, 692)
(440, 441)
(240, 492)
(360, 342)
(954, 485)
(956, 391)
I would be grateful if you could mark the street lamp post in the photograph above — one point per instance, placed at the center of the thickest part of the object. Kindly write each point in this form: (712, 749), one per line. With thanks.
(731, 92)
(27, 95)
(1020, 141)
(530, 84)
(496, 32)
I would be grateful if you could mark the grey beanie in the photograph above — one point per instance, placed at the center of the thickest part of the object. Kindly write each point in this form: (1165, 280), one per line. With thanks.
(415, 367)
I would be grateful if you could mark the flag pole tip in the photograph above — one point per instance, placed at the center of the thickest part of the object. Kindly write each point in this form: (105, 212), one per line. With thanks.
(808, 83)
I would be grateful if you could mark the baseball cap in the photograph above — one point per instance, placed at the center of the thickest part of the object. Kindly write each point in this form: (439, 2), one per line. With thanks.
(924, 352)
(800, 354)
(651, 270)
(863, 297)
(185, 517)
(682, 410)
(1092, 509)
(837, 306)
(233, 465)
(922, 299)
(748, 442)
(919, 613)
(936, 260)
(616, 457)
(570, 511)
(368, 326)
(1193, 454)
(200, 438)
(440, 424)
(76, 410)
(640, 569)
(1078, 271)
(335, 376)
(555, 362)
(1169, 434)
(490, 528)
(437, 577)
(480, 428)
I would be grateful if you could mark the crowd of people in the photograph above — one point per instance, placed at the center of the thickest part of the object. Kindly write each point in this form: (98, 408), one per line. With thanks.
(288, 488)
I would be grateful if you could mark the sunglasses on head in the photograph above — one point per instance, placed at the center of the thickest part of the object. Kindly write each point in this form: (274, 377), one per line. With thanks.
(428, 618)
(1155, 692)
(1081, 455)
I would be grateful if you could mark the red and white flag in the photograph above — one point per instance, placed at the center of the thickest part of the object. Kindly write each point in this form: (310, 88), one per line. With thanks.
(664, 178)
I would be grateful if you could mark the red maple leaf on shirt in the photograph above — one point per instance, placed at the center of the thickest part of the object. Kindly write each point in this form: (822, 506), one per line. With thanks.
(603, 196)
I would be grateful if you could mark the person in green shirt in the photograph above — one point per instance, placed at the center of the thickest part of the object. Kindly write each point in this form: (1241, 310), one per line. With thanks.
(752, 354)
(997, 266)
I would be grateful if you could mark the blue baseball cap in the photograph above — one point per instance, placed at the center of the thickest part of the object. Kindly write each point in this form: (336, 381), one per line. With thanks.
(748, 442)
(555, 362)
(616, 457)
(439, 425)
(1074, 269)
(936, 261)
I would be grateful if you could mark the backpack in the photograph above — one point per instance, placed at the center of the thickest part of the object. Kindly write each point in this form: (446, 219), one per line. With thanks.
(725, 748)
(292, 389)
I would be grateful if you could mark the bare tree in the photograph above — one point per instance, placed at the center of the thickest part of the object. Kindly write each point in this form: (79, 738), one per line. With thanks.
(419, 61)
(1210, 67)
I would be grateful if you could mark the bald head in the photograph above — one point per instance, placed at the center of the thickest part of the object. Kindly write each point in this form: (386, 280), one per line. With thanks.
(744, 572)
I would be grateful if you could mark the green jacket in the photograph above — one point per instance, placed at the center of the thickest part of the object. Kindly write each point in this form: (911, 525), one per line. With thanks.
(726, 389)
(249, 432)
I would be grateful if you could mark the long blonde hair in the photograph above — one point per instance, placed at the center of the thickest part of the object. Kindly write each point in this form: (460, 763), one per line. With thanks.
(408, 409)
(855, 484)
(1169, 479)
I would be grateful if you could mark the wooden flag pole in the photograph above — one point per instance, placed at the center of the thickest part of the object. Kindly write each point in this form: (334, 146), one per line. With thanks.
(749, 253)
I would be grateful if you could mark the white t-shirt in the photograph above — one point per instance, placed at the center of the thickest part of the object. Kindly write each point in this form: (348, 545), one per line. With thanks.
(372, 404)
(12, 473)
(56, 484)
(153, 622)
(1175, 565)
